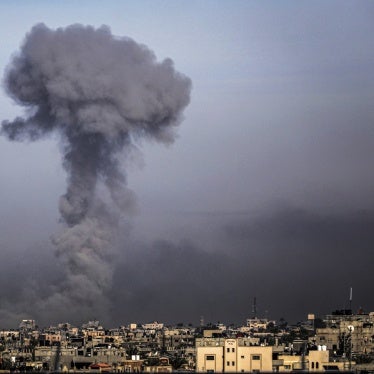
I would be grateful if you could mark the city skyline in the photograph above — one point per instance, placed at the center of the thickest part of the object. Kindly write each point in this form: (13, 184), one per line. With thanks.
(340, 341)
(267, 190)
(255, 320)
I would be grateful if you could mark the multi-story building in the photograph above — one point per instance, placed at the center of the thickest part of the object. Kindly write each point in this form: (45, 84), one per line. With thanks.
(314, 361)
(239, 355)
(347, 334)
(231, 355)
(258, 324)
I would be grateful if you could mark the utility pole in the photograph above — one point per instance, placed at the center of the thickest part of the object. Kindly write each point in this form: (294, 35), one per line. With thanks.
(350, 329)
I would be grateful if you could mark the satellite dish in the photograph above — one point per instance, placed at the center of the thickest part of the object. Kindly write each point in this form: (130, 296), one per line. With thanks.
(350, 328)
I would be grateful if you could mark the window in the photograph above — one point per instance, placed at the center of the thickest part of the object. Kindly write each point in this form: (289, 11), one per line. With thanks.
(232, 349)
(228, 363)
(287, 367)
(256, 357)
(241, 356)
(312, 365)
(317, 365)
(233, 363)
(227, 350)
(210, 358)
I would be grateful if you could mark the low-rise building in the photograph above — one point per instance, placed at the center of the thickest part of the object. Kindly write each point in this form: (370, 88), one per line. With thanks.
(153, 326)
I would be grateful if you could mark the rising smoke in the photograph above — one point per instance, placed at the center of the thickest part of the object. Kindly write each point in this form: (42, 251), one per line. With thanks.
(100, 93)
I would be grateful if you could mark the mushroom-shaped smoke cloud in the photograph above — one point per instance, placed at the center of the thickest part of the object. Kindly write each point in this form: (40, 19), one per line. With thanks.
(99, 92)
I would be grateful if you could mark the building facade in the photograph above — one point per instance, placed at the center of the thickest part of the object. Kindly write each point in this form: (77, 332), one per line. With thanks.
(231, 356)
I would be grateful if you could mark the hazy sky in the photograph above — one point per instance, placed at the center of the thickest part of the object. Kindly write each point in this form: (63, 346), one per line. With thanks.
(266, 192)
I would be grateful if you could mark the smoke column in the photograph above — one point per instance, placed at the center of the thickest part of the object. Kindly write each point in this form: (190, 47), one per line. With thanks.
(99, 93)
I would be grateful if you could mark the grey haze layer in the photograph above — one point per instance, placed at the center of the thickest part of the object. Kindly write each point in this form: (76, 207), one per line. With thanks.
(100, 93)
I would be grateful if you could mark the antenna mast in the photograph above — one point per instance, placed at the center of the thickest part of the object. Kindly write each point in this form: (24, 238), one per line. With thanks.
(254, 308)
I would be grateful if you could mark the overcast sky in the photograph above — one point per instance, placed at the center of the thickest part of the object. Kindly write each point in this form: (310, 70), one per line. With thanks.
(268, 190)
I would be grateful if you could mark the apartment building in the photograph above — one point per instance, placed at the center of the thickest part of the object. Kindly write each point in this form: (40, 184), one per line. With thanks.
(239, 355)
(347, 333)
(231, 356)
(314, 361)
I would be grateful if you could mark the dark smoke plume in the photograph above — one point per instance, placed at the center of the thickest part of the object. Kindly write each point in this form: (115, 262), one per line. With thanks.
(100, 93)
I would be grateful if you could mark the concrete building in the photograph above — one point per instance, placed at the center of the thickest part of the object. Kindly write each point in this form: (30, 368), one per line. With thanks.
(153, 326)
(347, 334)
(315, 361)
(231, 355)
(258, 324)
(239, 356)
